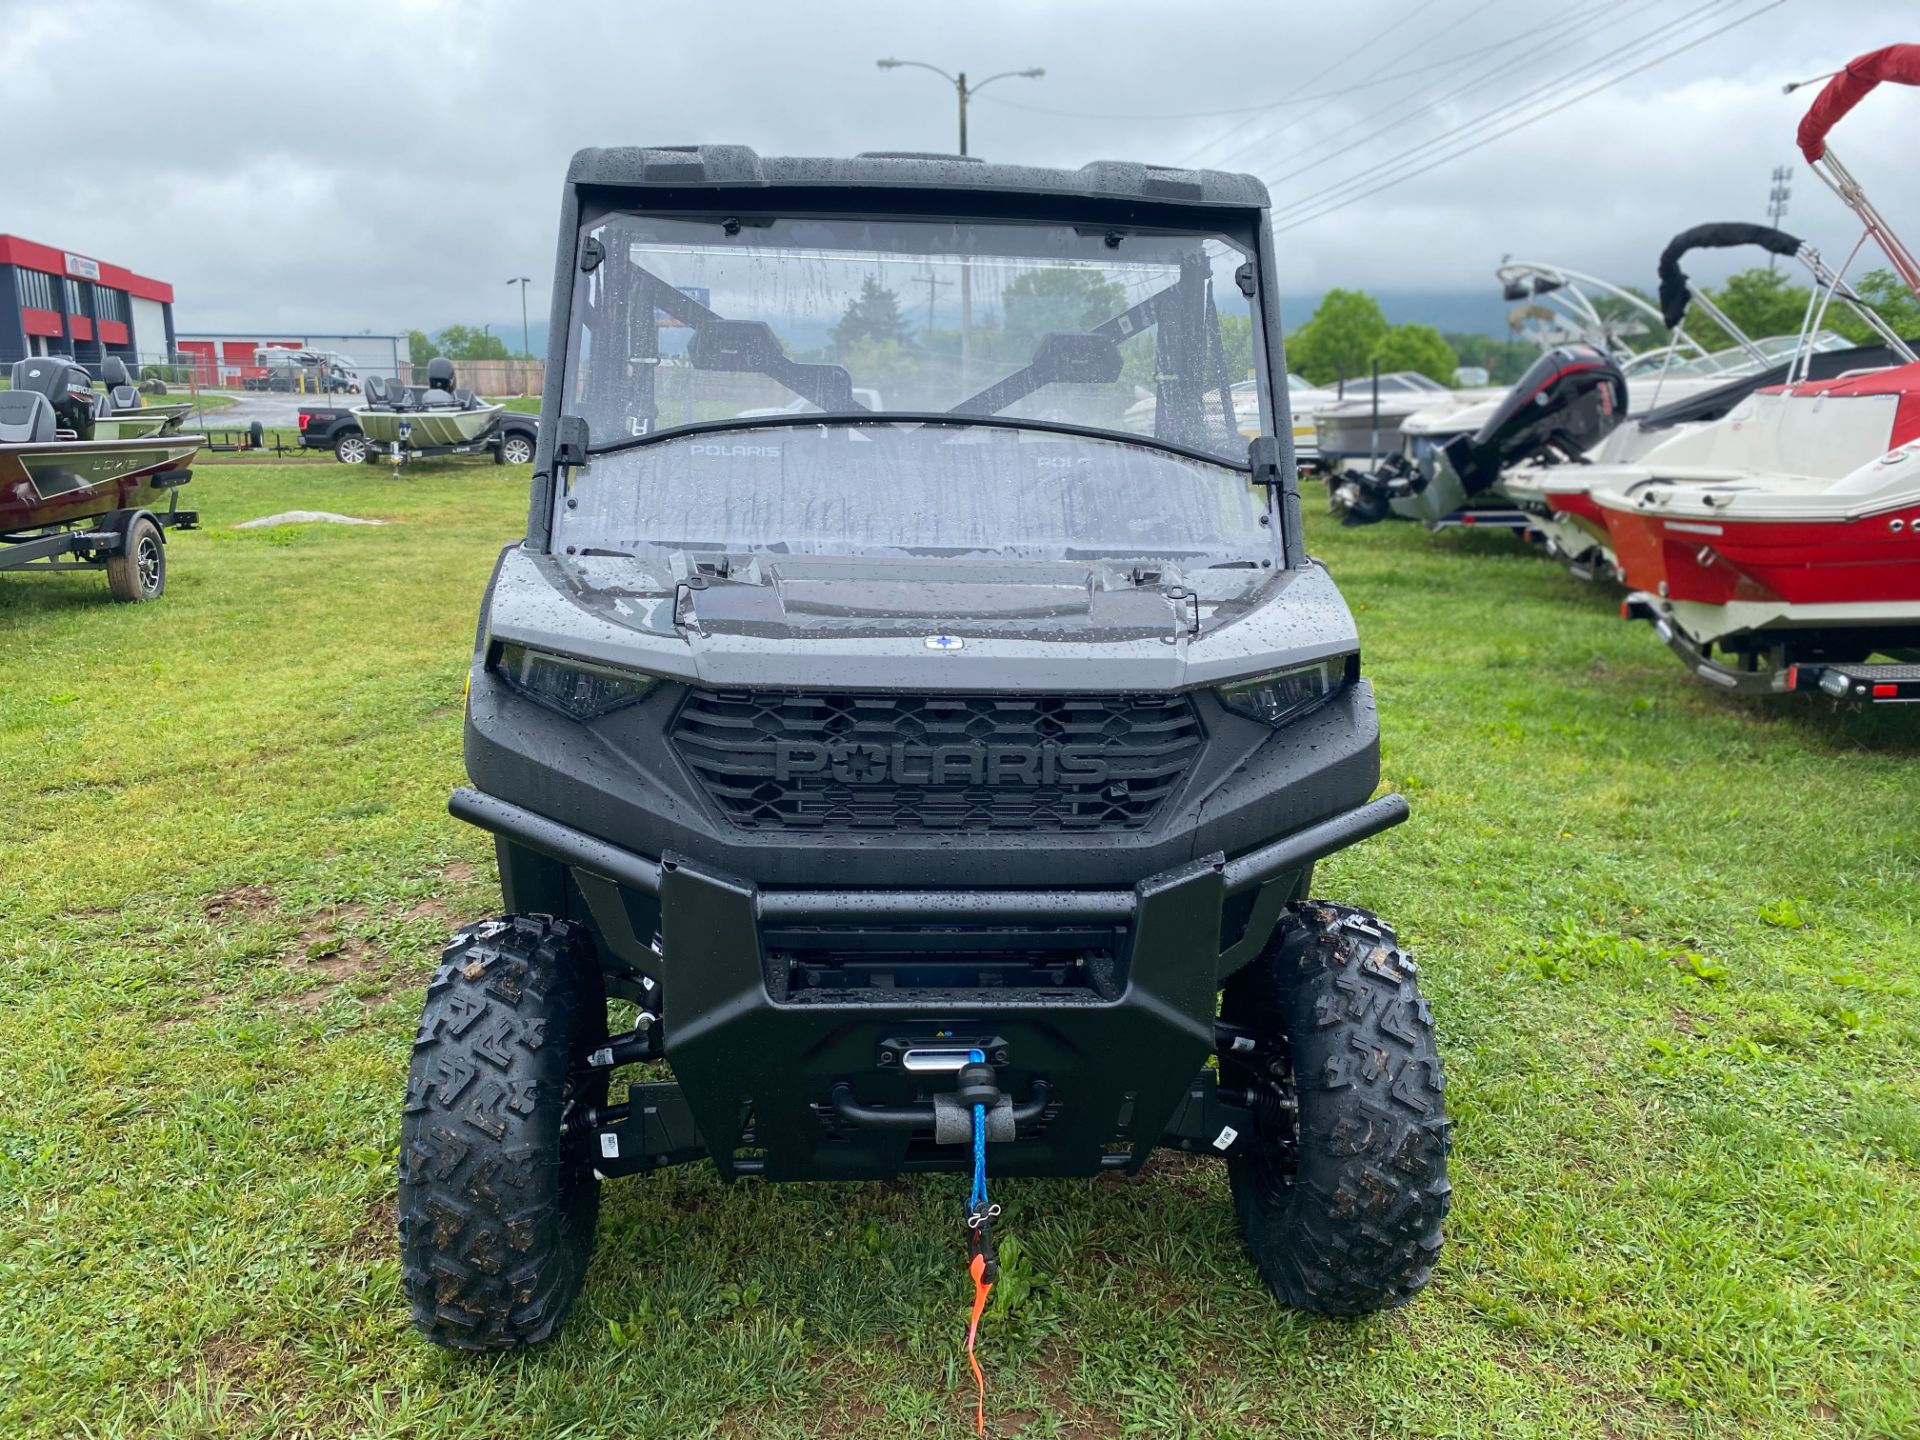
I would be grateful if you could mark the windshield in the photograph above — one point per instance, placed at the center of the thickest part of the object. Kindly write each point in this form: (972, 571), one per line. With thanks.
(927, 490)
(736, 376)
(1137, 333)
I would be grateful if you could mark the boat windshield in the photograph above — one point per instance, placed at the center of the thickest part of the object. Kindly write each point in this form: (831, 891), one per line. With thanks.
(694, 323)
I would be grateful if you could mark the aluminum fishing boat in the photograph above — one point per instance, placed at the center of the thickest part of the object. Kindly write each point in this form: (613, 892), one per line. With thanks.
(72, 498)
(438, 417)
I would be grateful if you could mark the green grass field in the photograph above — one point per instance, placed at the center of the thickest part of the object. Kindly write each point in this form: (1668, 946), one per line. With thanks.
(1670, 939)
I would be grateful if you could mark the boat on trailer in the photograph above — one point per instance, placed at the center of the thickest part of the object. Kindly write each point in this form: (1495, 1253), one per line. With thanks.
(1779, 549)
(71, 498)
(439, 419)
(1454, 466)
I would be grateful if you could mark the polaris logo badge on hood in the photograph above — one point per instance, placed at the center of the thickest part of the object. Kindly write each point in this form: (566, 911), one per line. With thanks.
(737, 452)
(973, 763)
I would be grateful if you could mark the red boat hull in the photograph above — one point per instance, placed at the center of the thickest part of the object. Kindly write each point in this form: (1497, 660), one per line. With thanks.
(1801, 562)
(60, 482)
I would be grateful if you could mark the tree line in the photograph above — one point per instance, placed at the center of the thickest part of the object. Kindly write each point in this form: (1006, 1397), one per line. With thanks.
(457, 342)
(1349, 331)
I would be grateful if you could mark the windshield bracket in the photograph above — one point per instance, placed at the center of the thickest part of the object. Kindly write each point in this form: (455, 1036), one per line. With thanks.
(572, 443)
(1186, 606)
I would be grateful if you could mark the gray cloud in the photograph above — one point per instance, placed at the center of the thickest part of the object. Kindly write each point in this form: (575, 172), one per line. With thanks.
(385, 166)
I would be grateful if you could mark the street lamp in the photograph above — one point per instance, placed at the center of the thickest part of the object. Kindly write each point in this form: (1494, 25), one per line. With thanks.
(526, 345)
(965, 92)
(960, 87)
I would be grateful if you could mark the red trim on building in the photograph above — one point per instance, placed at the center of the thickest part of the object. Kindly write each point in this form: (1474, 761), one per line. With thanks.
(79, 327)
(15, 251)
(40, 322)
(113, 332)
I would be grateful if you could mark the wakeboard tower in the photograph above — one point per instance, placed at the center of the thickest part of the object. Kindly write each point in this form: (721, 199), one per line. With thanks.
(1779, 549)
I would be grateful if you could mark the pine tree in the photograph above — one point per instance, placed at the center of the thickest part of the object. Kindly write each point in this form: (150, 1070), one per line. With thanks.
(874, 315)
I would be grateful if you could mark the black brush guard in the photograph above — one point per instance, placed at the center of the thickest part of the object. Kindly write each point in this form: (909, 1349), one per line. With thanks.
(799, 1055)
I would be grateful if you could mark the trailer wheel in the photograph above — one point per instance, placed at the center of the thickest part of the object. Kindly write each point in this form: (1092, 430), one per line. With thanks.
(351, 449)
(517, 450)
(1342, 1193)
(139, 570)
(498, 1200)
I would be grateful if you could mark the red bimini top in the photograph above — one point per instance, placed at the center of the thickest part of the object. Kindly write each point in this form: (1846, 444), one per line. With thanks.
(1901, 380)
(1896, 64)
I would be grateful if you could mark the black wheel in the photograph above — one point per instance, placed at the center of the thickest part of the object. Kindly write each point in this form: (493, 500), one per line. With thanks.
(1342, 1194)
(139, 570)
(517, 450)
(497, 1196)
(500, 453)
(352, 449)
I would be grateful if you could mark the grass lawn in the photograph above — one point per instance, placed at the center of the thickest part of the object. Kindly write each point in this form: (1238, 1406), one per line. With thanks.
(1670, 939)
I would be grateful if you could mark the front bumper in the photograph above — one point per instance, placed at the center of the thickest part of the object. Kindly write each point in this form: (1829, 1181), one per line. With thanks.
(761, 1042)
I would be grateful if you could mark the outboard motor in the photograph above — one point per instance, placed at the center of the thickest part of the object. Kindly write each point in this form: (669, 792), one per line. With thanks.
(1568, 402)
(440, 374)
(67, 386)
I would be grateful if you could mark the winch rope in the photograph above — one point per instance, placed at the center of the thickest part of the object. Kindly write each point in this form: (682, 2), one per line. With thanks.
(980, 1259)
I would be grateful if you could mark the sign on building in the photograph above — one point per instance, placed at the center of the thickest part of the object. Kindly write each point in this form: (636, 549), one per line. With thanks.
(82, 267)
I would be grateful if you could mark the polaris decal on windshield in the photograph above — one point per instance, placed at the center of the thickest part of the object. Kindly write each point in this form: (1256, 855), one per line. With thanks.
(737, 452)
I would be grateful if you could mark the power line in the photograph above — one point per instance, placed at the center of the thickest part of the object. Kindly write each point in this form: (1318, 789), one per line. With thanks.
(1579, 24)
(1522, 124)
(1306, 85)
(1269, 136)
(1512, 105)
(1373, 83)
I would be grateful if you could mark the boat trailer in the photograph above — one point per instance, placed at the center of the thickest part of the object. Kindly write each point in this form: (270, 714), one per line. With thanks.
(1890, 682)
(88, 544)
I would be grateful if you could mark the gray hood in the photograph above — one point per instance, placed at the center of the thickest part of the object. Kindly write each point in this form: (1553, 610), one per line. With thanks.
(865, 623)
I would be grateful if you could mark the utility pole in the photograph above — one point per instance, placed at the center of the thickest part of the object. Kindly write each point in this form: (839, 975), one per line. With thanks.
(526, 345)
(1777, 202)
(965, 92)
(933, 283)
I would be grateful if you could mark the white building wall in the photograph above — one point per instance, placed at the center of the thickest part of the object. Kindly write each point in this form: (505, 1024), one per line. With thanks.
(149, 330)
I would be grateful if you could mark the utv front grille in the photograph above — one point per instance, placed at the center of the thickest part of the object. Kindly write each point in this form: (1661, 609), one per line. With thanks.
(783, 760)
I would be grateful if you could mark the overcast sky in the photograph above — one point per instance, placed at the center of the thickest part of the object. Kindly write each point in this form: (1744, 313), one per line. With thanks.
(389, 165)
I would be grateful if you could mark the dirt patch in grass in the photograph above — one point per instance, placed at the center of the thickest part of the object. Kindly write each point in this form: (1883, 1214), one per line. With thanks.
(372, 1239)
(332, 953)
(243, 902)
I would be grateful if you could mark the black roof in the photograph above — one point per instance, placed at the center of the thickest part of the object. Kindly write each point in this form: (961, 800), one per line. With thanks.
(738, 167)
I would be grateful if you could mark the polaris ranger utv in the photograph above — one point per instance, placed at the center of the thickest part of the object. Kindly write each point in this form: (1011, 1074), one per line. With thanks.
(929, 787)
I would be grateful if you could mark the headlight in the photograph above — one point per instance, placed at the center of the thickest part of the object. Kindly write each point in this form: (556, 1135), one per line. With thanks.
(1285, 694)
(577, 688)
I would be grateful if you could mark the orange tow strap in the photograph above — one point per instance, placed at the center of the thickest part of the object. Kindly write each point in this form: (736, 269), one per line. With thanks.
(982, 1288)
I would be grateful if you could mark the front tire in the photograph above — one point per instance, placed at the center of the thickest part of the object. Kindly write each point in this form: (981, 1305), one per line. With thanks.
(498, 1201)
(1342, 1195)
(517, 450)
(139, 571)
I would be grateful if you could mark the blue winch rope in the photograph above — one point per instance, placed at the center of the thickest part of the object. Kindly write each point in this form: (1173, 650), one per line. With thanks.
(977, 1202)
